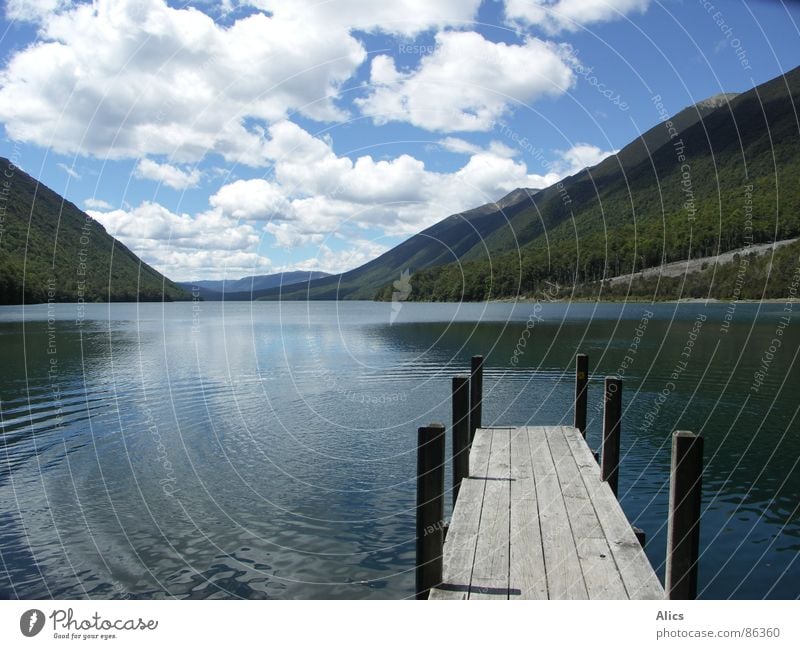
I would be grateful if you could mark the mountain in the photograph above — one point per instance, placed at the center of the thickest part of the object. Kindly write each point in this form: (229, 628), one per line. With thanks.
(725, 176)
(243, 288)
(439, 244)
(51, 250)
(633, 210)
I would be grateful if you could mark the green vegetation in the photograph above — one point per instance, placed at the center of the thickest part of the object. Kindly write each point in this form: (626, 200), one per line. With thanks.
(49, 249)
(727, 179)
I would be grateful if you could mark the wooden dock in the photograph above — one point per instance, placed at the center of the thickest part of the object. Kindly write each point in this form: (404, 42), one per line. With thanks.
(536, 517)
(534, 520)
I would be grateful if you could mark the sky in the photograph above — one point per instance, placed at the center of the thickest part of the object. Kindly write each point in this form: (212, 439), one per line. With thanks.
(234, 138)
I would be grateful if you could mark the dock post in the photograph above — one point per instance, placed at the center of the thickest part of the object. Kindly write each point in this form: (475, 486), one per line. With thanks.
(460, 432)
(581, 382)
(612, 414)
(475, 396)
(430, 508)
(683, 531)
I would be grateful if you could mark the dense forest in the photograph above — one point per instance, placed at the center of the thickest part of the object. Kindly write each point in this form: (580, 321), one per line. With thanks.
(52, 251)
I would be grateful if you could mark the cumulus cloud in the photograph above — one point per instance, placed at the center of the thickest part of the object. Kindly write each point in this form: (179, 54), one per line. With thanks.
(132, 78)
(255, 199)
(569, 15)
(400, 17)
(316, 194)
(96, 204)
(580, 156)
(467, 83)
(33, 10)
(183, 245)
(339, 261)
(457, 145)
(167, 174)
(128, 78)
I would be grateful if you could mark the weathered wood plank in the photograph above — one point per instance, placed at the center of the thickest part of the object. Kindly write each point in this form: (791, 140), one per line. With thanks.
(459, 546)
(600, 572)
(527, 576)
(634, 568)
(564, 574)
(479, 453)
(490, 573)
(462, 535)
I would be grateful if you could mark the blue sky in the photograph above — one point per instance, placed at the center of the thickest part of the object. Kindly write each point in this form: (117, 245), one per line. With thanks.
(223, 139)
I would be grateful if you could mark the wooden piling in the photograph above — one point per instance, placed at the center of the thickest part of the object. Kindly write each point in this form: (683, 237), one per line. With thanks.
(683, 532)
(430, 507)
(461, 432)
(475, 396)
(581, 383)
(612, 415)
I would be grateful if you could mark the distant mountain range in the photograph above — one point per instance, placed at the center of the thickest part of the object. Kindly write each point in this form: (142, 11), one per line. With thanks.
(242, 289)
(51, 250)
(718, 175)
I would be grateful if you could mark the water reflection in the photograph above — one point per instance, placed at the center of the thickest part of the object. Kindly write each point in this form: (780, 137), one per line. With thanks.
(267, 450)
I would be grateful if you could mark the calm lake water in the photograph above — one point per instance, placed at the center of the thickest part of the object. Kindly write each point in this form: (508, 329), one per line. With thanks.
(268, 450)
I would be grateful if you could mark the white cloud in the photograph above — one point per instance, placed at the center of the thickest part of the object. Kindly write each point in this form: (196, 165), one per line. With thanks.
(457, 145)
(339, 261)
(490, 176)
(33, 10)
(186, 265)
(569, 15)
(580, 156)
(249, 200)
(167, 174)
(128, 78)
(151, 221)
(70, 171)
(307, 166)
(401, 17)
(181, 245)
(96, 204)
(316, 194)
(131, 78)
(467, 83)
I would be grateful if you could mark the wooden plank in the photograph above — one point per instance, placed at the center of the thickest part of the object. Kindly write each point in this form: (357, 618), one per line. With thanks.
(479, 453)
(527, 576)
(637, 574)
(459, 546)
(600, 572)
(562, 564)
(490, 572)
(462, 535)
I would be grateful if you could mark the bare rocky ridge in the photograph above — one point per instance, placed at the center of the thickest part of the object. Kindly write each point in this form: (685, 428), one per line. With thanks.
(689, 266)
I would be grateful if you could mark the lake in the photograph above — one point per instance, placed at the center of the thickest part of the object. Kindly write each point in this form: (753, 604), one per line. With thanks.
(267, 450)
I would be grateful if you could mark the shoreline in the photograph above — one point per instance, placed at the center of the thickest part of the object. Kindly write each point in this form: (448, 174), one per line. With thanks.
(521, 300)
